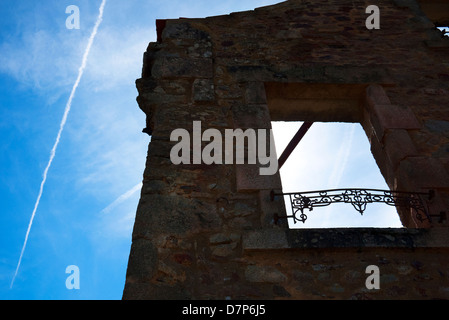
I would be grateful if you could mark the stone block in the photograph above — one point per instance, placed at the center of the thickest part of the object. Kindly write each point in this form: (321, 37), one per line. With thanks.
(224, 238)
(203, 90)
(375, 94)
(249, 179)
(265, 239)
(437, 44)
(251, 73)
(383, 162)
(368, 126)
(152, 99)
(398, 146)
(251, 116)
(264, 274)
(182, 67)
(356, 74)
(421, 174)
(387, 116)
(177, 215)
(225, 91)
(439, 127)
(224, 250)
(175, 87)
(183, 30)
(255, 93)
(405, 3)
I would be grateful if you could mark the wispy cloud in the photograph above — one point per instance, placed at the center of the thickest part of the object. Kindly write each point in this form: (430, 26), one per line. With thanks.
(342, 159)
(61, 128)
(117, 57)
(41, 60)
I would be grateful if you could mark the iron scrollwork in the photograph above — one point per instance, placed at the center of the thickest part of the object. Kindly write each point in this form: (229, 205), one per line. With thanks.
(358, 198)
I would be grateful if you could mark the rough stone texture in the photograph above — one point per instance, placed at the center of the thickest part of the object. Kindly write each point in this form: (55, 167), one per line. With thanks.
(208, 231)
(341, 273)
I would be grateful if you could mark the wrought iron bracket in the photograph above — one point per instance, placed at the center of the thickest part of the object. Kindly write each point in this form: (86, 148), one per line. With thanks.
(358, 198)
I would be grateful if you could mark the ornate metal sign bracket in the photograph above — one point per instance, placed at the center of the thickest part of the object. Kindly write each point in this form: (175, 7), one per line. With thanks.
(358, 198)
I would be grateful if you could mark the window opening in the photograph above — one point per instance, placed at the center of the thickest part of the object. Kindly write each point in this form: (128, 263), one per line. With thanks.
(332, 156)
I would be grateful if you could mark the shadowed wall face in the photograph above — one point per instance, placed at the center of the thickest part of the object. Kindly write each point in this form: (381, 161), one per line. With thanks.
(206, 231)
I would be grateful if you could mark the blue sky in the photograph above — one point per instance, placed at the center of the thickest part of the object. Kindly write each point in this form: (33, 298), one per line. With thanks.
(86, 213)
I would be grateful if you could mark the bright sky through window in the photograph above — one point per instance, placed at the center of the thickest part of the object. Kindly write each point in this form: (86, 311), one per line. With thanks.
(333, 156)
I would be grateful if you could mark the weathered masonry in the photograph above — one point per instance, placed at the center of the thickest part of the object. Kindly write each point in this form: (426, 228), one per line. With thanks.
(208, 232)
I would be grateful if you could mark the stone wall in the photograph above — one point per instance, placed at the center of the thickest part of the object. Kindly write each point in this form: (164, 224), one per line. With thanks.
(196, 224)
(332, 264)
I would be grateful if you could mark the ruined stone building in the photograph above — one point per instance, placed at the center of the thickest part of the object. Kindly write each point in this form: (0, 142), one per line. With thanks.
(212, 231)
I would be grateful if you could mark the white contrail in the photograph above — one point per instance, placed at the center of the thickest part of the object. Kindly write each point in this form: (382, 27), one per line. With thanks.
(61, 128)
(122, 198)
